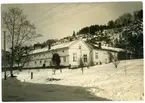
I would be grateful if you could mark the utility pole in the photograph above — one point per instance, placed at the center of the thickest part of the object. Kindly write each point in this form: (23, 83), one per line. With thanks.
(89, 30)
(125, 58)
(5, 76)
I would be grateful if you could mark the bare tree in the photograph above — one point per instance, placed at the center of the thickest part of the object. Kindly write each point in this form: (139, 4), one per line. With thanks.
(21, 56)
(81, 65)
(115, 60)
(20, 31)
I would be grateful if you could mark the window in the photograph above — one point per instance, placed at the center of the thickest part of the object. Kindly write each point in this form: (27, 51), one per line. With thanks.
(85, 58)
(40, 61)
(63, 51)
(79, 47)
(35, 62)
(96, 56)
(74, 57)
(64, 59)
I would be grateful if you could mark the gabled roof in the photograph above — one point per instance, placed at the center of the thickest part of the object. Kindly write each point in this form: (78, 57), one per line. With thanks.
(55, 47)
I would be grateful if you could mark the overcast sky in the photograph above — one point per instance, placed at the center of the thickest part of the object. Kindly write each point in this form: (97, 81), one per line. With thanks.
(55, 21)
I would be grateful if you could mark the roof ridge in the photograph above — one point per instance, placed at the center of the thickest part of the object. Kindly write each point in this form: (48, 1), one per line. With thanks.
(55, 47)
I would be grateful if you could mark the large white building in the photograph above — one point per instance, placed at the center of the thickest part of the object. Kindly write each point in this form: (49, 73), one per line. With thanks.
(71, 53)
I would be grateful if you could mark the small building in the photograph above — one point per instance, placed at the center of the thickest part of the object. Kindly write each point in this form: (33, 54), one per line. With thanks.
(104, 54)
(72, 53)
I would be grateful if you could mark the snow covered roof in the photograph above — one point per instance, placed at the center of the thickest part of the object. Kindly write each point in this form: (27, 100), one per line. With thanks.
(63, 45)
(67, 44)
(113, 49)
(109, 48)
(38, 50)
(59, 46)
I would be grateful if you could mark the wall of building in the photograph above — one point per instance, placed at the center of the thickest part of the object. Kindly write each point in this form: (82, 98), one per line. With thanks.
(64, 56)
(37, 60)
(99, 56)
(80, 49)
(102, 56)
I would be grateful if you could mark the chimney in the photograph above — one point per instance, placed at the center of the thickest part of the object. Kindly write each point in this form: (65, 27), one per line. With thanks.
(99, 45)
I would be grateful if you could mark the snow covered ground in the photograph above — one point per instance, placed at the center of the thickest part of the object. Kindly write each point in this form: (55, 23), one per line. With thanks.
(102, 82)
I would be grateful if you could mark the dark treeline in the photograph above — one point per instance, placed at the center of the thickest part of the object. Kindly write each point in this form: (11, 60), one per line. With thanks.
(44, 44)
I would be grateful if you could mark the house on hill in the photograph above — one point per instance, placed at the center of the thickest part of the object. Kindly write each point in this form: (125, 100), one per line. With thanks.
(71, 54)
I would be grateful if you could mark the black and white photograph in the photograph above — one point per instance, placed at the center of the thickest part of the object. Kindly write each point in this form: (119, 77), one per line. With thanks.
(72, 51)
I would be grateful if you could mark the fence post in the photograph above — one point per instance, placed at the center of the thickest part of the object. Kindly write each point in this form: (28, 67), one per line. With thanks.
(31, 75)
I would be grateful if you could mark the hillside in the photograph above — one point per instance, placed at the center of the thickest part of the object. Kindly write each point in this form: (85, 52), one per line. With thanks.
(107, 37)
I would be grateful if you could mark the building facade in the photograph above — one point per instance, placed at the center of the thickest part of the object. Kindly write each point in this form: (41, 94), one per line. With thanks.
(71, 54)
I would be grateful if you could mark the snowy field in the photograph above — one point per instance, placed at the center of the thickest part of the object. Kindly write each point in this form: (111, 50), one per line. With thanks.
(102, 82)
